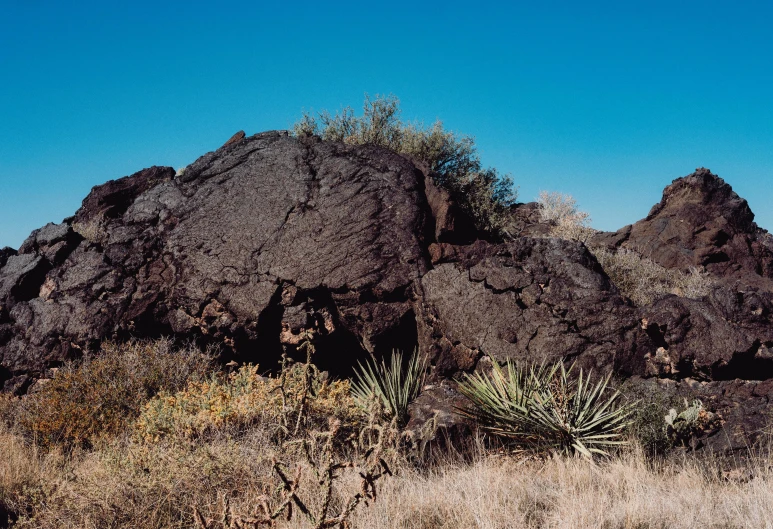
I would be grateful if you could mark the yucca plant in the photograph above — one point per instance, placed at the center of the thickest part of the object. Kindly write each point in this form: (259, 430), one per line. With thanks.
(390, 386)
(546, 408)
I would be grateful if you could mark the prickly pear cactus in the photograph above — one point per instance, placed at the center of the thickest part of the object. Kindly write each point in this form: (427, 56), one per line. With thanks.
(693, 421)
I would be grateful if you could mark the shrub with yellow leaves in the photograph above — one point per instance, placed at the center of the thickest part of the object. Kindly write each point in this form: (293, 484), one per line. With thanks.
(244, 398)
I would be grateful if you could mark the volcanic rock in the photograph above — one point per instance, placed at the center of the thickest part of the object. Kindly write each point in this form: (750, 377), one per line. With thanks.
(271, 236)
(543, 299)
(5, 253)
(265, 231)
(701, 222)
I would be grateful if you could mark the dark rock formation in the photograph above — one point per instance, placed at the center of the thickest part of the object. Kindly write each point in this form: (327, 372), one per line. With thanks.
(270, 235)
(543, 299)
(527, 221)
(266, 232)
(452, 225)
(725, 337)
(5, 253)
(701, 222)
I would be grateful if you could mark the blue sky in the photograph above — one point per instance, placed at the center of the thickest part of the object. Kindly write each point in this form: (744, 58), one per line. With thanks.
(607, 101)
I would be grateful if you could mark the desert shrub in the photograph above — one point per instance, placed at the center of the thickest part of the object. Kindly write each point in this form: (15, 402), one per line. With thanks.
(9, 405)
(244, 398)
(649, 405)
(644, 281)
(545, 408)
(391, 387)
(95, 398)
(482, 193)
(567, 222)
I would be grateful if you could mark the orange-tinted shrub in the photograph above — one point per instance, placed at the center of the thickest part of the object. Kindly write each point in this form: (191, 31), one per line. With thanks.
(95, 398)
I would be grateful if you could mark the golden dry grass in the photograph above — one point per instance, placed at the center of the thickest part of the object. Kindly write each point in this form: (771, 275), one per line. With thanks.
(644, 281)
(129, 484)
(153, 482)
(564, 493)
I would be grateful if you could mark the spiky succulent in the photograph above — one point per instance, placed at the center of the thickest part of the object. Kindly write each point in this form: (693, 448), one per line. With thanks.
(392, 386)
(547, 408)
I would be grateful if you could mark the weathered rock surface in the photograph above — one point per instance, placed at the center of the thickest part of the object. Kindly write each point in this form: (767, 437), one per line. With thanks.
(701, 222)
(270, 235)
(5, 253)
(727, 336)
(528, 222)
(266, 231)
(543, 299)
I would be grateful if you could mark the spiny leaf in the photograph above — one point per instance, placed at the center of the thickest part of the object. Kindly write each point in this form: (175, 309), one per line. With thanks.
(544, 407)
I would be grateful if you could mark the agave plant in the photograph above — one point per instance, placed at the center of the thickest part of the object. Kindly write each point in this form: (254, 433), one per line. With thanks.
(391, 386)
(547, 408)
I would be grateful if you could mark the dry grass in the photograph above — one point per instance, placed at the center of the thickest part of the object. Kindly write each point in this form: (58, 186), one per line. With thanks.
(625, 492)
(20, 471)
(644, 281)
(153, 486)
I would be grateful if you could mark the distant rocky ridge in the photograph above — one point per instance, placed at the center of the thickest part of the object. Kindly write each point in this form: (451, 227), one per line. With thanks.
(702, 222)
(270, 234)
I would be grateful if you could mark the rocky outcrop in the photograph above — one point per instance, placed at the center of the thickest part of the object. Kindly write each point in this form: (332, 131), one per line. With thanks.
(270, 235)
(452, 225)
(5, 253)
(726, 336)
(543, 299)
(264, 233)
(527, 221)
(701, 222)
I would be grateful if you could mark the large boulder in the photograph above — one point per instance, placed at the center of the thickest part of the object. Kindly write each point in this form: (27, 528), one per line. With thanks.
(250, 244)
(528, 300)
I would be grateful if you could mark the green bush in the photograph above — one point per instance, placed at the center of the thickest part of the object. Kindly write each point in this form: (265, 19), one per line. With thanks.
(650, 403)
(484, 194)
(96, 398)
(545, 408)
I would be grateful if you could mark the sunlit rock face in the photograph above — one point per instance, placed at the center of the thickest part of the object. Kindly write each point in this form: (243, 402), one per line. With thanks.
(271, 235)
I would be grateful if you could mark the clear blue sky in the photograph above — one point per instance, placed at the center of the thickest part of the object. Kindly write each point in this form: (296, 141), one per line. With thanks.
(606, 101)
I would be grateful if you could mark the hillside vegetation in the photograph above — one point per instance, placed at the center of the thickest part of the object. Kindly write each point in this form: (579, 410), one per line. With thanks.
(483, 193)
(230, 450)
